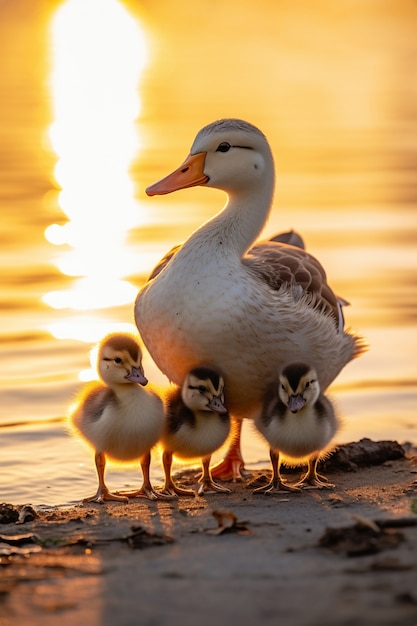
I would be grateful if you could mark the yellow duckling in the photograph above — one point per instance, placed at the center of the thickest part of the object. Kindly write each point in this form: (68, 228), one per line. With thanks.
(299, 423)
(119, 418)
(197, 424)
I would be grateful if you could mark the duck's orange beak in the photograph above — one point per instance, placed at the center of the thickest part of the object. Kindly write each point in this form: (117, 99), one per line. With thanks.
(189, 174)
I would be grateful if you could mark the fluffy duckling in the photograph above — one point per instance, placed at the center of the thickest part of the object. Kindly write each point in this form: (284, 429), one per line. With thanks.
(197, 424)
(299, 423)
(119, 418)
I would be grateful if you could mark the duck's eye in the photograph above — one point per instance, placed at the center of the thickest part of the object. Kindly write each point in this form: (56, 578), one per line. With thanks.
(307, 384)
(283, 387)
(118, 360)
(201, 389)
(224, 147)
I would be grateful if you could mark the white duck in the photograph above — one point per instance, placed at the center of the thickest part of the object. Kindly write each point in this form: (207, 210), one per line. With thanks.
(197, 424)
(244, 311)
(299, 424)
(120, 419)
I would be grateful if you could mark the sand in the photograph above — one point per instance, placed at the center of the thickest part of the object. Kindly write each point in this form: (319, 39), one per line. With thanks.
(336, 557)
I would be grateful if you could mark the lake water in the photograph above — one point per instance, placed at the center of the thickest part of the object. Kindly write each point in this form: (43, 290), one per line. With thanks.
(329, 85)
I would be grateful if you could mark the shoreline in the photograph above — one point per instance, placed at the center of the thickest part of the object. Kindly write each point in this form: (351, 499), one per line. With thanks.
(334, 557)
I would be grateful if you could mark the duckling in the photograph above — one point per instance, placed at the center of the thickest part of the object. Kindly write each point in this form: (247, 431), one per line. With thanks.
(197, 424)
(223, 292)
(299, 423)
(119, 418)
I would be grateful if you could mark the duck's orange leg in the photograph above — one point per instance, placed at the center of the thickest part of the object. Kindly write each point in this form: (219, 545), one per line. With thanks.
(232, 467)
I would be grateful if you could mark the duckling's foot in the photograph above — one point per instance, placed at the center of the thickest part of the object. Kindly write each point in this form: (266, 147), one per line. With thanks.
(274, 486)
(314, 482)
(104, 495)
(209, 486)
(174, 491)
(149, 493)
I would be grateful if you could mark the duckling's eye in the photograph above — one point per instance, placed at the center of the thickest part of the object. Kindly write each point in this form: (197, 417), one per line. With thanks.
(307, 384)
(118, 360)
(224, 147)
(201, 389)
(283, 387)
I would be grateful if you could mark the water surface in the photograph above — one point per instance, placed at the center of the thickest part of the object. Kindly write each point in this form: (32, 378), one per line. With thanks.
(329, 85)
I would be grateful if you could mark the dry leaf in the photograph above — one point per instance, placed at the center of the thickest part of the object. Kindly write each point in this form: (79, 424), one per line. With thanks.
(227, 522)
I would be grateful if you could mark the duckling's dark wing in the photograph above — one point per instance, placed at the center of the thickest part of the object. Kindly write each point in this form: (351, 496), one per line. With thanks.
(177, 413)
(94, 398)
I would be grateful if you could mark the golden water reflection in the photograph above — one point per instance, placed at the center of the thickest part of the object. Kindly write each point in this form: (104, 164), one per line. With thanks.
(98, 53)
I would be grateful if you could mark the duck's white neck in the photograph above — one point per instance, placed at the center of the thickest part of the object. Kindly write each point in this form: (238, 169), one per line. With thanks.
(240, 222)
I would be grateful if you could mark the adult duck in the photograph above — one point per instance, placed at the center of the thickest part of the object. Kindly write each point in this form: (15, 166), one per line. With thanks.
(246, 311)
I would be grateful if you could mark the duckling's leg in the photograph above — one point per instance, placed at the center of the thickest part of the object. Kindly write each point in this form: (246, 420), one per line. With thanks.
(102, 492)
(147, 491)
(207, 483)
(313, 480)
(170, 488)
(232, 467)
(276, 483)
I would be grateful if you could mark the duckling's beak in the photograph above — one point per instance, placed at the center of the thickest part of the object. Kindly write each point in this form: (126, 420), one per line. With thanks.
(295, 403)
(189, 174)
(217, 405)
(137, 376)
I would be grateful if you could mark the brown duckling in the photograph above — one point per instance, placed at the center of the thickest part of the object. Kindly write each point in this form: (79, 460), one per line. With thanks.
(299, 423)
(197, 424)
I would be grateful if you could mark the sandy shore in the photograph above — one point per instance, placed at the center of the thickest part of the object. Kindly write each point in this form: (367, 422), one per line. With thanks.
(236, 559)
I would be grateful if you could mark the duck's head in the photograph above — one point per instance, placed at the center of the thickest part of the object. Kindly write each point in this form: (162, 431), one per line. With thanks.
(203, 389)
(119, 360)
(229, 154)
(298, 386)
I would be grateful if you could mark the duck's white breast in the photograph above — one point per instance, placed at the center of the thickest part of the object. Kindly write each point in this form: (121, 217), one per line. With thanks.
(207, 311)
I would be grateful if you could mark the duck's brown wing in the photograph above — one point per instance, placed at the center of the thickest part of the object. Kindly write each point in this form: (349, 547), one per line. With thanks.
(279, 264)
(282, 260)
(290, 237)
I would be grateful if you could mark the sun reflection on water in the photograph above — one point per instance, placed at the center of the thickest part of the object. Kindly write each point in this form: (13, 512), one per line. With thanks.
(98, 53)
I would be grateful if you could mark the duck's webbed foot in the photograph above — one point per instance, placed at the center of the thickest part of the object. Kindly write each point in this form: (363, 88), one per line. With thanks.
(232, 467)
(275, 486)
(104, 495)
